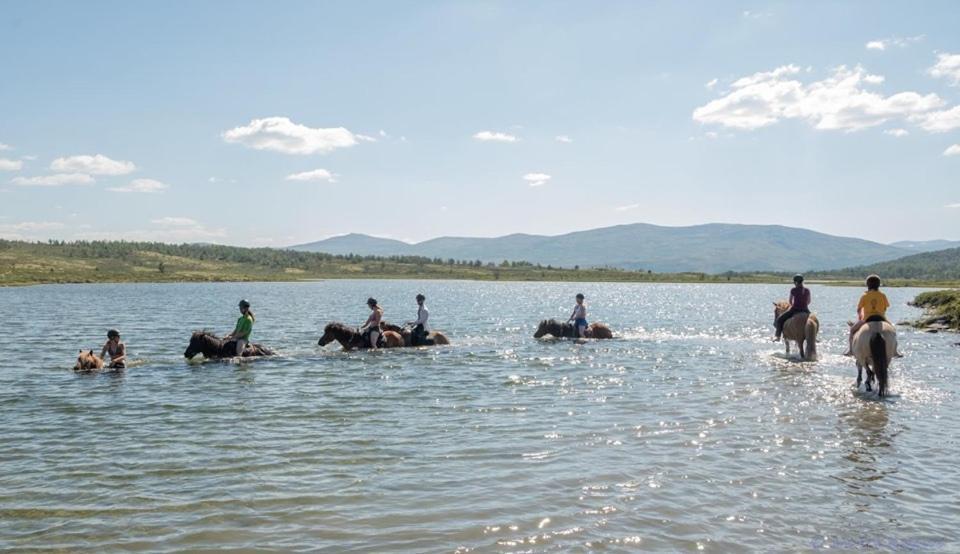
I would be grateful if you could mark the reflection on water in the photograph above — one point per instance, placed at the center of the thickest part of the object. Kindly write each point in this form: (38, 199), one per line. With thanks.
(689, 431)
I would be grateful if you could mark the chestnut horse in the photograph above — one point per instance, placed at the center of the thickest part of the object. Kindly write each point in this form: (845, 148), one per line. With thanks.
(88, 361)
(213, 347)
(568, 330)
(433, 337)
(352, 339)
(802, 328)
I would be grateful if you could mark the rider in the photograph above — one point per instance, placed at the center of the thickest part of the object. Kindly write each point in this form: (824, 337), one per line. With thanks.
(579, 317)
(872, 307)
(419, 334)
(241, 333)
(371, 327)
(799, 303)
(116, 349)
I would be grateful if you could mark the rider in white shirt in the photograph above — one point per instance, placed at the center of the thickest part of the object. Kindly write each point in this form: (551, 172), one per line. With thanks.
(419, 334)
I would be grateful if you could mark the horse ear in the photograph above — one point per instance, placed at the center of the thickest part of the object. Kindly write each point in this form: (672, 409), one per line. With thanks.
(91, 352)
(81, 350)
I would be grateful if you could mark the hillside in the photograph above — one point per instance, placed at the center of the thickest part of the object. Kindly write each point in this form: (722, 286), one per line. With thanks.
(942, 265)
(917, 246)
(711, 248)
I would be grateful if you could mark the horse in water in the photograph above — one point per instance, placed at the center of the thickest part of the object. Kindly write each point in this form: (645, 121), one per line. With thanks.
(568, 330)
(88, 361)
(874, 345)
(212, 346)
(352, 339)
(433, 338)
(802, 328)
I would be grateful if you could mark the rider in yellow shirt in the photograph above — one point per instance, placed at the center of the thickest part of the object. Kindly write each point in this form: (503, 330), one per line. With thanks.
(872, 307)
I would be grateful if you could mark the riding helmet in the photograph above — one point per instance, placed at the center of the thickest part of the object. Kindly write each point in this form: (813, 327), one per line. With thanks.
(798, 278)
(421, 298)
(371, 302)
(113, 333)
(580, 296)
(244, 304)
(873, 282)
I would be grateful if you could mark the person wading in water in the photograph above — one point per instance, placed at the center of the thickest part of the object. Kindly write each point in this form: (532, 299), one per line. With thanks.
(419, 334)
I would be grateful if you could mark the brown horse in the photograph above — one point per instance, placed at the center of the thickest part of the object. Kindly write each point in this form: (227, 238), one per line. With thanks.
(802, 328)
(433, 337)
(213, 347)
(352, 339)
(874, 345)
(560, 330)
(88, 361)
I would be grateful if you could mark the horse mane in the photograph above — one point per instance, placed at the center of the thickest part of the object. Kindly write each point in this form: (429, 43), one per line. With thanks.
(336, 326)
(204, 333)
(782, 304)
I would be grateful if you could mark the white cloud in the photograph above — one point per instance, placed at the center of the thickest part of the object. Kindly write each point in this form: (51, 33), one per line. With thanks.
(279, 134)
(142, 185)
(365, 138)
(55, 180)
(315, 175)
(712, 83)
(563, 138)
(953, 150)
(874, 79)
(837, 102)
(940, 121)
(5, 147)
(957, 205)
(493, 136)
(29, 230)
(902, 42)
(627, 207)
(536, 179)
(92, 165)
(947, 66)
(174, 221)
(10, 165)
(896, 132)
(755, 15)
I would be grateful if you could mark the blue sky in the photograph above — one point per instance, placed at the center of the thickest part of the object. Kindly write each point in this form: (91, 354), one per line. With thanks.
(278, 123)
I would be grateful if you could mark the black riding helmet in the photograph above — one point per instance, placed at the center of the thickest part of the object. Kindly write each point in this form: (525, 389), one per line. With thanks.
(244, 304)
(113, 333)
(798, 278)
(421, 298)
(580, 296)
(873, 282)
(372, 302)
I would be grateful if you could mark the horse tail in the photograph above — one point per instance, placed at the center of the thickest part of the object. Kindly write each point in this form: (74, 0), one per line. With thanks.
(878, 352)
(810, 336)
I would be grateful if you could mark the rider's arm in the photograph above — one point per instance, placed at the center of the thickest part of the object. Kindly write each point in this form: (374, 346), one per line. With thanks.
(121, 354)
(103, 351)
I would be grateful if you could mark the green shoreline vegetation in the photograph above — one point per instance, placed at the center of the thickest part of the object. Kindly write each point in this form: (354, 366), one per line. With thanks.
(943, 310)
(32, 263)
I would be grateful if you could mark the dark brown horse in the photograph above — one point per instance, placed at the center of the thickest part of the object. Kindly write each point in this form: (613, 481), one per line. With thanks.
(433, 337)
(212, 346)
(560, 330)
(88, 361)
(352, 339)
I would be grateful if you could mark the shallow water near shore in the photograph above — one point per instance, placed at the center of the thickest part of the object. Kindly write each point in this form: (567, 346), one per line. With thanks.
(689, 431)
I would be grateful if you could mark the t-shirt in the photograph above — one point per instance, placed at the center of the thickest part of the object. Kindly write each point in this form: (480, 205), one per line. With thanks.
(800, 298)
(873, 302)
(423, 314)
(244, 327)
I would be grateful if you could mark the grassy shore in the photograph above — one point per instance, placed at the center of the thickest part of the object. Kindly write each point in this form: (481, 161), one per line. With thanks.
(942, 307)
(28, 263)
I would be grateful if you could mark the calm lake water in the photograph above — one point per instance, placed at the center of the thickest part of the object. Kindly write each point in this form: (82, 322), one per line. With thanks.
(689, 431)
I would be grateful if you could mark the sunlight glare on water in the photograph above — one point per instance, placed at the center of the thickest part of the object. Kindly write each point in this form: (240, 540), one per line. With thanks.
(689, 431)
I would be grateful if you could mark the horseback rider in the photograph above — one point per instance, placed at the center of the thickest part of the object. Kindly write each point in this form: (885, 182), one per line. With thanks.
(872, 307)
(799, 303)
(418, 336)
(371, 328)
(241, 333)
(579, 317)
(116, 349)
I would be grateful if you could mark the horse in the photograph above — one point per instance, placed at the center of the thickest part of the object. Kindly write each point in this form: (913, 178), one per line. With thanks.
(352, 339)
(433, 338)
(88, 361)
(874, 345)
(568, 330)
(212, 346)
(801, 328)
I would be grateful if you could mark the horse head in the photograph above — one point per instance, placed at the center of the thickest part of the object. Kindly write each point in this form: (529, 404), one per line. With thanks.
(87, 360)
(779, 308)
(542, 329)
(330, 333)
(196, 346)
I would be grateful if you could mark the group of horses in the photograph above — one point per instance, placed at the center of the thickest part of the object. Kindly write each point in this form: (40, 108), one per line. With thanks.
(874, 344)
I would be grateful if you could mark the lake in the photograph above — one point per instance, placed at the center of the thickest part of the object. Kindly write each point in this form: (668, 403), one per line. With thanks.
(689, 431)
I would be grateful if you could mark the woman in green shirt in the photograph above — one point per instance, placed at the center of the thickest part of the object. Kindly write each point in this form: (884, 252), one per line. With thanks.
(241, 333)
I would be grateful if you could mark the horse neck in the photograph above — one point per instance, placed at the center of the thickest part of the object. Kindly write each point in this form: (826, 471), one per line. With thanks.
(211, 345)
(346, 337)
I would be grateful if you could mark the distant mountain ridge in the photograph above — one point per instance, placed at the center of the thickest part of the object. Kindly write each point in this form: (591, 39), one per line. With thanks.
(938, 265)
(926, 245)
(710, 248)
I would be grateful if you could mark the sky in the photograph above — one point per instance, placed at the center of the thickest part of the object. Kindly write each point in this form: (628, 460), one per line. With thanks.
(279, 123)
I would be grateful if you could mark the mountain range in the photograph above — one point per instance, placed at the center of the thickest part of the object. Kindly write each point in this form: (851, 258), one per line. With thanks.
(710, 248)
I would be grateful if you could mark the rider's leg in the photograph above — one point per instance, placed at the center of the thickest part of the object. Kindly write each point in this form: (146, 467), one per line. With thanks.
(853, 331)
(374, 336)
